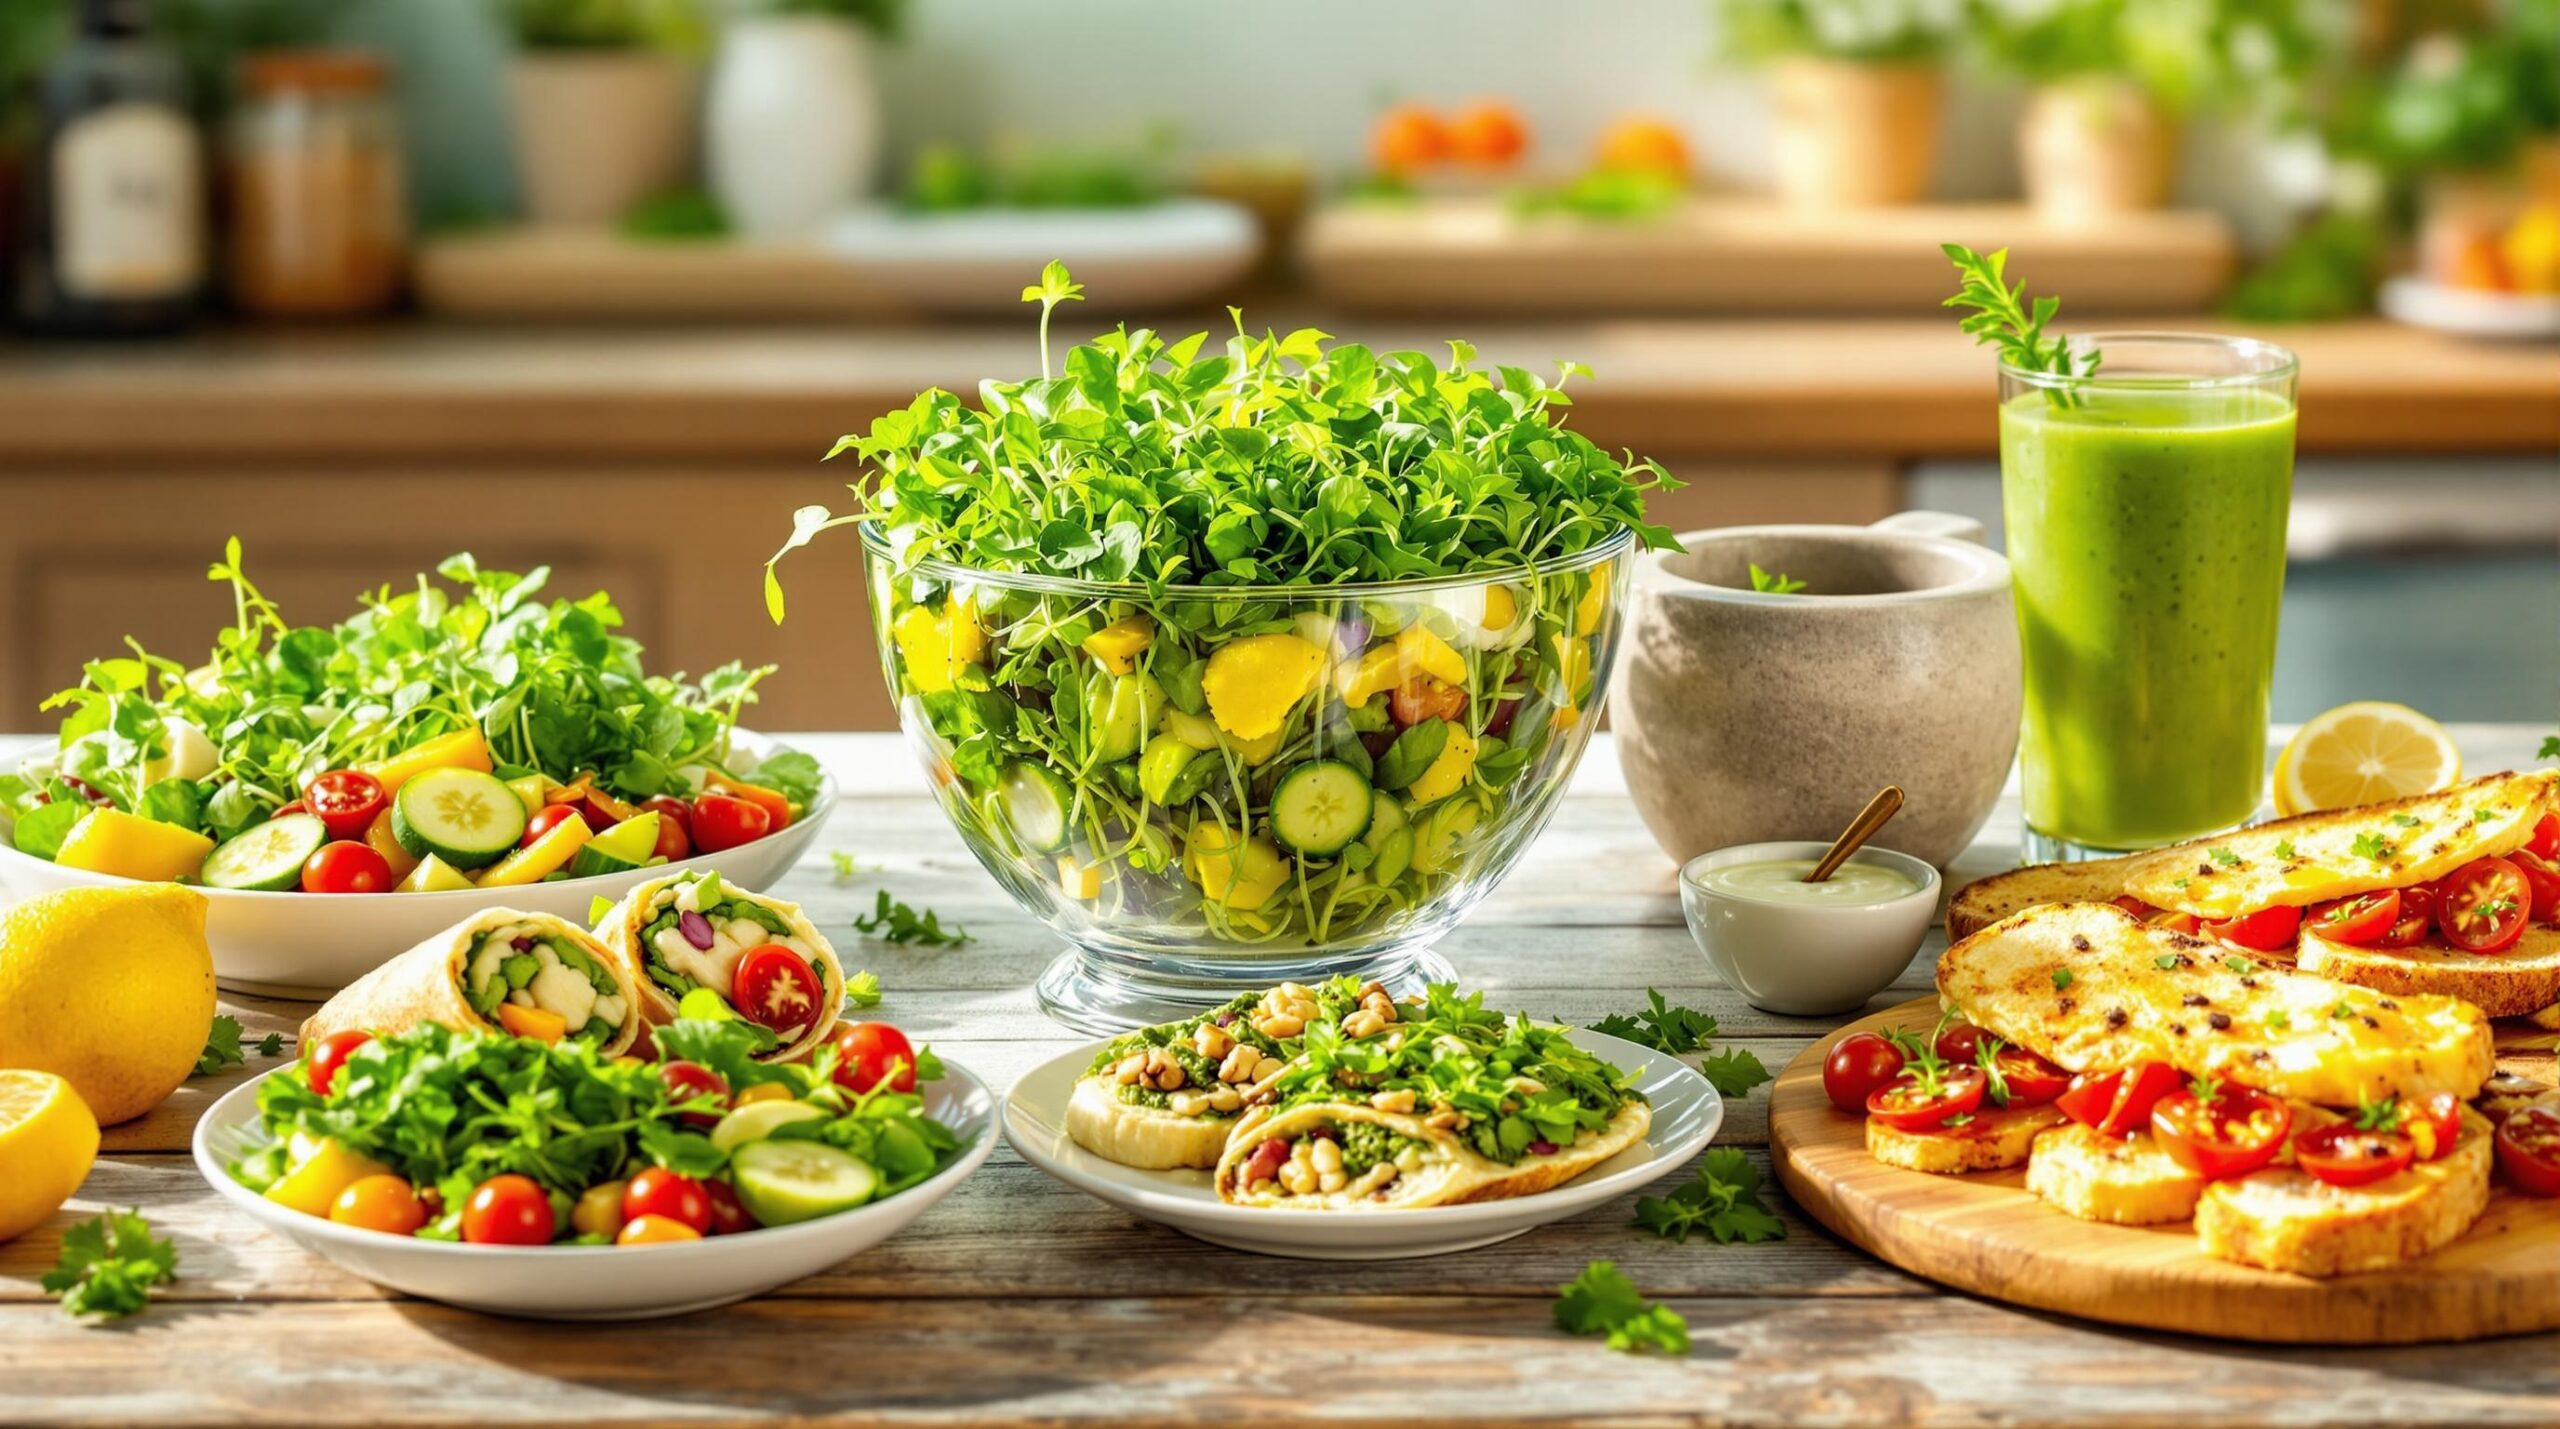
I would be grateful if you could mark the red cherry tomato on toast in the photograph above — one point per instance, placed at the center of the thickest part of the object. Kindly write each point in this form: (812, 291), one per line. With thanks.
(2118, 1103)
(2357, 921)
(2541, 875)
(2032, 1081)
(2342, 1154)
(2228, 1130)
(1858, 1064)
(1960, 1043)
(2265, 931)
(2545, 843)
(1907, 1103)
(2483, 907)
(2529, 1150)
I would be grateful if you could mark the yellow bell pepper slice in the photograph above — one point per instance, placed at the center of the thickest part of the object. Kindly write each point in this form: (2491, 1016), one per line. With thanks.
(1239, 873)
(1374, 671)
(925, 642)
(462, 749)
(313, 1184)
(1449, 771)
(112, 841)
(1573, 668)
(1253, 683)
(540, 858)
(1594, 603)
(1119, 644)
(1421, 650)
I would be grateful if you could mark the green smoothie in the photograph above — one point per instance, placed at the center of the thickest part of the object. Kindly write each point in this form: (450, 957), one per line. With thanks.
(2146, 533)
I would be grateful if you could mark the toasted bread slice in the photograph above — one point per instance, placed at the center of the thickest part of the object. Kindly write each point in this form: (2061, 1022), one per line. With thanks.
(1993, 1141)
(2125, 1181)
(2284, 1219)
(2092, 988)
(2523, 980)
(1986, 901)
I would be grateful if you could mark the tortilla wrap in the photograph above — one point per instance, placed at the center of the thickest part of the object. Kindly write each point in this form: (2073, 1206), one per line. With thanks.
(1453, 1174)
(623, 924)
(425, 984)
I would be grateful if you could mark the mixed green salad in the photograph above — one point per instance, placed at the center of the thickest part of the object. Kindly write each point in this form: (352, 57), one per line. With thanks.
(439, 739)
(1262, 647)
(502, 1140)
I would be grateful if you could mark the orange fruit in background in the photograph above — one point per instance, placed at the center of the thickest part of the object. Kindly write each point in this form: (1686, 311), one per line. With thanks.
(1488, 132)
(1407, 137)
(1645, 144)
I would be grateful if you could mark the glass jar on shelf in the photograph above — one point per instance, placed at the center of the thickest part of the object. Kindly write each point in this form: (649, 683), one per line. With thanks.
(318, 203)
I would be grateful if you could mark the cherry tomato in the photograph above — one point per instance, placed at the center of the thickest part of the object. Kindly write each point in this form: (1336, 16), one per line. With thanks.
(507, 1210)
(2343, 1154)
(2543, 877)
(2417, 918)
(346, 800)
(2434, 1123)
(1422, 698)
(599, 1210)
(728, 1216)
(1910, 1104)
(295, 807)
(2529, 1149)
(869, 1053)
(660, 1192)
(347, 867)
(655, 1230)
(1265, 1162)
(2358, 921)
(776, 987)
(2220, 1130)
(2032, 1081)
(687, 1080)
(675, 827)
(1407, 137)
(321, 1061)
(2265, 931)
(382, 1203)
(1960, 1043)
(551, 817)
(1858, 1064)
(2545, 843)
(721, 822)
(2483, 908)
(1488, 132)
(2118, 1103)
(773, 801)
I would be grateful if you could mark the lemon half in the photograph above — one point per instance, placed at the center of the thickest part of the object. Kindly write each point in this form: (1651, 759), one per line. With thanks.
(48, 1140)
(2361, 754)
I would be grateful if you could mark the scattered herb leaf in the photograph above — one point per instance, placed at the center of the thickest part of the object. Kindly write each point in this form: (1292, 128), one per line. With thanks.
(2225, 856)
(2165, 961)
(2284, 848)
(862, 990)
(2370, 846)
(894, 922)
(1779, 584)
(2061, 978)
(271, 1045)
(221, 1047)
(1722, 1199)
(1603, 1301)
(109, 1265)
(2003, 318)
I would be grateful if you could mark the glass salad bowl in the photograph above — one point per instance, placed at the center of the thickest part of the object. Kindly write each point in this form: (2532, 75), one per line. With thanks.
(1209, 789)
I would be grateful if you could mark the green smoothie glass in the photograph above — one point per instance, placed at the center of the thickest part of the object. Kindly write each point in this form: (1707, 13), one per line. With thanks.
(2145, 507)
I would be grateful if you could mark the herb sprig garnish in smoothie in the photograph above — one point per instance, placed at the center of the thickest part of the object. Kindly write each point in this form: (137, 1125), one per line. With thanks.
(2145, 507)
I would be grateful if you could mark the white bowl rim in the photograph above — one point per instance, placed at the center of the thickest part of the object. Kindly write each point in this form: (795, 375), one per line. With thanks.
(223, 1113)
(828, 796)
(1775, 849)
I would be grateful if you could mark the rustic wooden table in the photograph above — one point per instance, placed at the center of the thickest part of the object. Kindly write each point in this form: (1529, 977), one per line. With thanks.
(1020, 1300)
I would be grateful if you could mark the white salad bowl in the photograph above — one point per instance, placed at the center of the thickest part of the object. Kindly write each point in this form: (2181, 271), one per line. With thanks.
(603, 1282)
(308, 945)
(1686, 1115)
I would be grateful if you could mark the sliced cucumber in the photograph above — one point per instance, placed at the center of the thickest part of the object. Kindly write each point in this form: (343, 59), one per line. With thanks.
(1385, 817)
(626, 846)
(1118, 711)
(784, 1182)
(467, 818)
(1319, 807)
(266, 857)
(1036, 801)
(1395, 855)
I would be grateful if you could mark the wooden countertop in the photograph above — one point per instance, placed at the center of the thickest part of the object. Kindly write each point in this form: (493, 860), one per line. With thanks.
(1019, 1300)
(1894, 389)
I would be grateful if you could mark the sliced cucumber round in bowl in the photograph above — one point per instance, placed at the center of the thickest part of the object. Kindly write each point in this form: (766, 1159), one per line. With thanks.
(785, 1182)
(466, 817)
(266, 858)
(1318, 808)
(1036, 802)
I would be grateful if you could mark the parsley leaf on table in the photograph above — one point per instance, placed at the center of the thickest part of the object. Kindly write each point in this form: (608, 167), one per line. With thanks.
(843, 860)
(1683, 1030)
(271, 1045)
(1734, 1071)
(109, 1265)
(1723, 1200)
(221, 1047)
(894, 922)
(862, 990)
(1603, 1301)
(2550, 747)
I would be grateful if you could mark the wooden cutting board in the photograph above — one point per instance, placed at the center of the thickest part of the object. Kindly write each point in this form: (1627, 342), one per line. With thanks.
(535, 274)
(1748, 255)
(1987, 1235)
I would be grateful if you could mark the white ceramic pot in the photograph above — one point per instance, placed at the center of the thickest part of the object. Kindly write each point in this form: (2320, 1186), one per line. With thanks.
(2093, 148)
(598, 132)
(792, 129)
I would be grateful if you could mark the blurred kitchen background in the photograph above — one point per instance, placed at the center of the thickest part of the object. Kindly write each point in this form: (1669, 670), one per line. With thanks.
(597, 282)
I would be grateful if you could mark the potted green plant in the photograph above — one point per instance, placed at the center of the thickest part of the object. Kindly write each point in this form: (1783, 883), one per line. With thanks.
(1857, 90)
(603, 94)
(792, 127)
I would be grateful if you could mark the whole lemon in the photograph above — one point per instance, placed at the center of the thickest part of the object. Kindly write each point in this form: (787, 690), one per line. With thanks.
(109, 988)
(48, 1141)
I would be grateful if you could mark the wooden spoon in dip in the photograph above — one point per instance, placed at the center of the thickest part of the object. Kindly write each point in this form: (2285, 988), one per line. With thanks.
(1886, 803)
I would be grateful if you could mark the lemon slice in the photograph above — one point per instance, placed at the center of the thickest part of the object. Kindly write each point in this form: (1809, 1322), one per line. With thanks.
(2363, 753)
(47, 1140)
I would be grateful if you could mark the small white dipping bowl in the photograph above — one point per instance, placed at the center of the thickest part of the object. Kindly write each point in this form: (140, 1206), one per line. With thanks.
(1807, 959)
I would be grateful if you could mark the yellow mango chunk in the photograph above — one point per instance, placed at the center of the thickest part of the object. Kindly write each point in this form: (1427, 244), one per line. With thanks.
(1255, 752)
(1423, 652)
(1594, 603)
(313, 1184)
(462, 749)
(1253, 683)
(1448, 772)
(540, 858)
(1573, 668)
(1078, 879)
(112, 841)
(925, 641)
(1369, 674)
(1564, 718)
(967, 636)
(1119, 644)
(1239, 873)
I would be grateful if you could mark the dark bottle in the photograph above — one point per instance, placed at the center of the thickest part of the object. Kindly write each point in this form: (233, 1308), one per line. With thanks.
(112, 231)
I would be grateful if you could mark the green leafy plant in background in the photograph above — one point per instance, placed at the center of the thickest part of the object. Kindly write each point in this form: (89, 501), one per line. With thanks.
(953, 178)
(2327, 270)
(2459, 99)
(2183, 53)
(1862, 30)
(604, 24)
(680, 215)
(886, 18)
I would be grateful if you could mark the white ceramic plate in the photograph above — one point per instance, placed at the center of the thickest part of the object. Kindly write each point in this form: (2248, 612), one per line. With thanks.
(602, 1282)
(2470, 312)
(305, 945)
(977, 261)
(1686, 1115)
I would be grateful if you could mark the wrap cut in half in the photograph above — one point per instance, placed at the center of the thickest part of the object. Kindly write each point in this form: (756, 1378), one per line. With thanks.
(1394, 1161)
(695, 934)
(499, 969)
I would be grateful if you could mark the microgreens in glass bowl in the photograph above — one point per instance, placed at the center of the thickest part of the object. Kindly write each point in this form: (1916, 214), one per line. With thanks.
(1253, 665)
